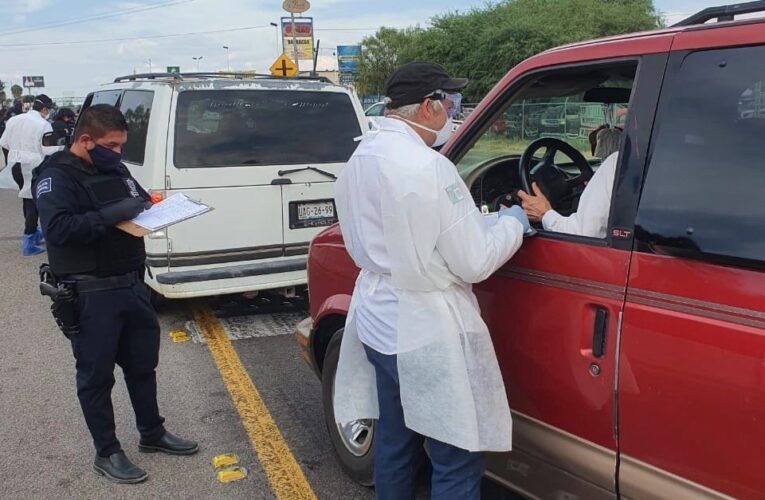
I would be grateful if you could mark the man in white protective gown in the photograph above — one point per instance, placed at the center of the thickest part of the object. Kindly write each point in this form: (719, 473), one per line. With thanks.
(416, 354)
(23, 140)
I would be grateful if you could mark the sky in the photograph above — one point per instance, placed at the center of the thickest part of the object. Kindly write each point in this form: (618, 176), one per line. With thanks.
(127, 36)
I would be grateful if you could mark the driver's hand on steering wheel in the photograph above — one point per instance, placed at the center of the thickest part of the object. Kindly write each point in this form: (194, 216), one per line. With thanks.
(537, 205)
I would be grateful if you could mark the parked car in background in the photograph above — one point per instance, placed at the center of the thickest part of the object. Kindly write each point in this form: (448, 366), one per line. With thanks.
(263, 152)
(376, 109)
(633, 363)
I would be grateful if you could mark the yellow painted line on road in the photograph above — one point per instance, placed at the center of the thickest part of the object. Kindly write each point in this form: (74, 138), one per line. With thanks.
(284, 475)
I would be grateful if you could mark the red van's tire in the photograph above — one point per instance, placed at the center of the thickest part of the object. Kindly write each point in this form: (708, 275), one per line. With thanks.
(353, 443)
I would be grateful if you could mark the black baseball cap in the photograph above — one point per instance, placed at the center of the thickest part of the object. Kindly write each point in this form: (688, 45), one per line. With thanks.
(410, 83)
(45, 101)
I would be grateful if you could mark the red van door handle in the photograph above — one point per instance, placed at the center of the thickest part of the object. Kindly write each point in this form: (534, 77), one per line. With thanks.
(599, 332)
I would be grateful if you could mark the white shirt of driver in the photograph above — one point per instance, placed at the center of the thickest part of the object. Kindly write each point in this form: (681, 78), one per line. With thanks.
(591, 217)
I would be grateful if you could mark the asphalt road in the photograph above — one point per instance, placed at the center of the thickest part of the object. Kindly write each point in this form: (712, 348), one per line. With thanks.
(45, 449)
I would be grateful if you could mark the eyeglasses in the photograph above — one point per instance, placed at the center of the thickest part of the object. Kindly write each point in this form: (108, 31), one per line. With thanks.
(452, 101)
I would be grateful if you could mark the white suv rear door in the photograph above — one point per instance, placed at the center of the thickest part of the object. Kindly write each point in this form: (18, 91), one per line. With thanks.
(233, 146)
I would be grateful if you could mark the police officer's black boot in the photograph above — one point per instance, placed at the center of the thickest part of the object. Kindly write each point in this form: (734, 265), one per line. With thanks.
(169, 443)
(118, 468)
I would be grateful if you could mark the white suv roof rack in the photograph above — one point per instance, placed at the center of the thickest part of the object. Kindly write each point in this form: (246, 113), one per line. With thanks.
(179, 77)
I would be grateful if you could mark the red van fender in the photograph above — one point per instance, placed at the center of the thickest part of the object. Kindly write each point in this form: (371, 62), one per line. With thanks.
(334, 305)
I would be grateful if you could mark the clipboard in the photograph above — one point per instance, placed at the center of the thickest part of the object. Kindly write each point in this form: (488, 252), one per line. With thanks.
(134, 227)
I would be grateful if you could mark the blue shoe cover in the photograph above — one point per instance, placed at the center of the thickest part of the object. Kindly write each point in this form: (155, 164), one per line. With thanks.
(28, 247)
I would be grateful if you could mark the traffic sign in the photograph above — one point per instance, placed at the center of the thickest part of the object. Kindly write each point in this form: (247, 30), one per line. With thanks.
(283, 66)
(173, 69)
(296, 6)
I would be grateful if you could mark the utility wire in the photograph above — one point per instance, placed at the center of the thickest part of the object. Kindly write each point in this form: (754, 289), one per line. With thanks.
(149, 37)
(79, 20)
(127, 39)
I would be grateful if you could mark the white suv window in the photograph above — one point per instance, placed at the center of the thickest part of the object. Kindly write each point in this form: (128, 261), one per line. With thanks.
(224, 128)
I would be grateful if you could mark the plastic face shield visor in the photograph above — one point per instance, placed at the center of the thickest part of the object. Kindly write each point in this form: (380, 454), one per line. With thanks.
(451, 101)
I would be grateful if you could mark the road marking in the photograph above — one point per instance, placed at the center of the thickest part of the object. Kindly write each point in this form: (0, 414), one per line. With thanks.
(251, 326)
(284, 475)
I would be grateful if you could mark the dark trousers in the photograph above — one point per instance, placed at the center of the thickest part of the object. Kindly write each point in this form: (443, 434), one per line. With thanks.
(457, 473)
(28, 206)
(117, 326)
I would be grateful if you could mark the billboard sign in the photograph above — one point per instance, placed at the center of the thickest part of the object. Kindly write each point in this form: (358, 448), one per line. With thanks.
(33, 81)
(348, 57)
(173, 69)
(303, 38)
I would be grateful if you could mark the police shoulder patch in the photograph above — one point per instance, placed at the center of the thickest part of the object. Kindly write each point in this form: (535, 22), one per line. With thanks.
(455, 193)
(44, 186)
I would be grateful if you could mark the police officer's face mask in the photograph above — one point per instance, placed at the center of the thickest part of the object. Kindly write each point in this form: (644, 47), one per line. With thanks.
(104, 159)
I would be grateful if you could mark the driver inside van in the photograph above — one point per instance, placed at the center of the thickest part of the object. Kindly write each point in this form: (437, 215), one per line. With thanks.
(591, 217)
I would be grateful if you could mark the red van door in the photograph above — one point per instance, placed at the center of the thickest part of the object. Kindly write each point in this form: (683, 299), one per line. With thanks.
(692, 364)
(554, 310)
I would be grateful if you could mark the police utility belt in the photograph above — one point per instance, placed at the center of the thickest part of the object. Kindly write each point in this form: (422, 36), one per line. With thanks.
(65, 294)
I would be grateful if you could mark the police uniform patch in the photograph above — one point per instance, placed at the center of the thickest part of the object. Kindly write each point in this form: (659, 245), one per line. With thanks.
(131, 186)
(44, 186)
(455, 193)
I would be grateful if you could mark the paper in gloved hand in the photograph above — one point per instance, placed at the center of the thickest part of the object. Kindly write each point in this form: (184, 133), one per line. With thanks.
(172, 210)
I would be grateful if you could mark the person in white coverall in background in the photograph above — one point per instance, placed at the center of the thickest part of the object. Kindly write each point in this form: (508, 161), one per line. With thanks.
(416, 354)
(591, 217)
(23, 140)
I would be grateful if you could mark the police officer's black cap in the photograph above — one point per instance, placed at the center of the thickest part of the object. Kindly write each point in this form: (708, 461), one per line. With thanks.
(45, 101)
(410, 83)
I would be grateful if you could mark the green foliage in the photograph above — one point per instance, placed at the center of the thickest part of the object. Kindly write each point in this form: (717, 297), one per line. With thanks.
(28, 99)
(483, 44)
(379, 57)
(17, 91)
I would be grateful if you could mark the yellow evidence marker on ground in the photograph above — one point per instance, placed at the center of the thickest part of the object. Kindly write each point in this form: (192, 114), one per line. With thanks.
(233, 473)
(179, 336)
(228, 469)
(225, 460)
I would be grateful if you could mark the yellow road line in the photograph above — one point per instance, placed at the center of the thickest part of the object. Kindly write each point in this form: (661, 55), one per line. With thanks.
(284, 474)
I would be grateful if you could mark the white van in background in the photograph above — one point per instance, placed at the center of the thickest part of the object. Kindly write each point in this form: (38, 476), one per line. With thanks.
(263, 152)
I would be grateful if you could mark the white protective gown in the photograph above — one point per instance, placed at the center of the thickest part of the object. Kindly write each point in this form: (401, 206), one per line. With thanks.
(437, 244)
(23, 139)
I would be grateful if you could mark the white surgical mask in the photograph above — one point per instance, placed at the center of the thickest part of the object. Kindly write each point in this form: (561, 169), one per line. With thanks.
(442, 135)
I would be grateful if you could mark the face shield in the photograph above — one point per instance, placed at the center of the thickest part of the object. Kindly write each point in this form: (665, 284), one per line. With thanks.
(451, 101)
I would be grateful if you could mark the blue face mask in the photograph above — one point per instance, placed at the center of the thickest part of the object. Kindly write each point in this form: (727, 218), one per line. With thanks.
(105, 159)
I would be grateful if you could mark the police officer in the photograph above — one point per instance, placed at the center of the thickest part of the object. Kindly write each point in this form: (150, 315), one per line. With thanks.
(65, 119)
(82, 193)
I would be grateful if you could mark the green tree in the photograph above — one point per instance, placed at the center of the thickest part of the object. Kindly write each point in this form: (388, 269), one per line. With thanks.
(28, 99)
(17, 91)
(2, 93)
(484, 43)
(379, 57)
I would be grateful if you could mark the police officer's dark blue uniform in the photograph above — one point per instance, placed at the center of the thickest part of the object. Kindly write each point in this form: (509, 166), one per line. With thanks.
(81, 194)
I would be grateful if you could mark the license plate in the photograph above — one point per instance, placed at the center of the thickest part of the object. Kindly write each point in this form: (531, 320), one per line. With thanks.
(316, 210)
(313, 213)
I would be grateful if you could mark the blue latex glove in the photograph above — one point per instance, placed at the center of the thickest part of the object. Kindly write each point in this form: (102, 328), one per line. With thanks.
(517, 212)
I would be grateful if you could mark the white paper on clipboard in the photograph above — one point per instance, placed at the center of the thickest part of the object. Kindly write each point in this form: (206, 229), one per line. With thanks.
(172, 210)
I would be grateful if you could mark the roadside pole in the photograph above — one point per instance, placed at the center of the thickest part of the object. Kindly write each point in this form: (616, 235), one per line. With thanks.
(295, 56)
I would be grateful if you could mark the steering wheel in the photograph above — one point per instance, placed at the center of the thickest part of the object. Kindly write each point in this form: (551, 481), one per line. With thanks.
(557, 185)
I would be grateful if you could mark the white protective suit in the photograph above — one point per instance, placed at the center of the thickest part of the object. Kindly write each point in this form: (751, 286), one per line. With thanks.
(23, 139)
(436, 243)
(591, 217)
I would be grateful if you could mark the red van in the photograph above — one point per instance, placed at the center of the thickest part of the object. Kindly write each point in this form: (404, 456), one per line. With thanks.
(634, 363)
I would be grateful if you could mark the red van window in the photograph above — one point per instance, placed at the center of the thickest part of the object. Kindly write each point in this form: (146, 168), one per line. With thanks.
(703, 190)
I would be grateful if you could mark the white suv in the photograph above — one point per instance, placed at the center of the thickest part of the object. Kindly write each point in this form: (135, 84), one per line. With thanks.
(263, 152)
